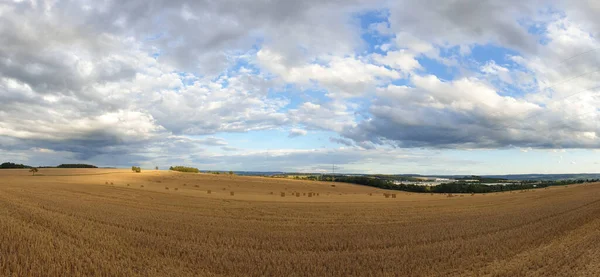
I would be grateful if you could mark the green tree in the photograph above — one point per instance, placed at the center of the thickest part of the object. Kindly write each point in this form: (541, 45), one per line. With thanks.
(33, 170)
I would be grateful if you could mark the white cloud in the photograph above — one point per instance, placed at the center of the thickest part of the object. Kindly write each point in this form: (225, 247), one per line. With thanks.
(334, 116)
(341, 76)
(400, 59)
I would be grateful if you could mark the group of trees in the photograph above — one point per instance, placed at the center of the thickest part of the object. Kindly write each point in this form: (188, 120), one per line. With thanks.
(136, 169)
(184, 169)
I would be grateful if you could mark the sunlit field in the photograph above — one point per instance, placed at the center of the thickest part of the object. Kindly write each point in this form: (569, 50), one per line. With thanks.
(110, 222)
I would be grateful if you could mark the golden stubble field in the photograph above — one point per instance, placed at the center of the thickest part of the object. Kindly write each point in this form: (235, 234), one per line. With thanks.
(90, 222)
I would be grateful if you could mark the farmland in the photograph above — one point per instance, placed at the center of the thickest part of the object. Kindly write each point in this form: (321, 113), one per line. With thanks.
(112, 222)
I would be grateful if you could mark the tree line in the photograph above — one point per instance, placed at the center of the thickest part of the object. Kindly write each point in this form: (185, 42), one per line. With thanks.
(184, 169)
(76, 166)
(9, 165)
(454, 187)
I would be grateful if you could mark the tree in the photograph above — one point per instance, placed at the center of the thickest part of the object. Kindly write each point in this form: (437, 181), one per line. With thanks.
(136, 169)
(156, 168)
(33, 170)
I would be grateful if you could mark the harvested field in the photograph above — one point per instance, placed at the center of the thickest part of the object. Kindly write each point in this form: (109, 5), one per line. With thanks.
(84, 222)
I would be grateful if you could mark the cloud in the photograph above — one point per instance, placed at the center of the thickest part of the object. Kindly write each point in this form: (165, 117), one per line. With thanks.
(342, 141)
(467, 22)
(211, 141)
(297, 133)
(321, 160)
(227, 148)
(326, 116)
(465, 113)
(172, 28)
(341, 76)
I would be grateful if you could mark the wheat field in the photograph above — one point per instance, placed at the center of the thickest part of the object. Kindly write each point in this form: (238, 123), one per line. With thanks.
(108, 222)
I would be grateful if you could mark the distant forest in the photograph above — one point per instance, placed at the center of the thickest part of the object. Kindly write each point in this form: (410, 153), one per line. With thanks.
(76, 166)
(455, 187)
(10, 165)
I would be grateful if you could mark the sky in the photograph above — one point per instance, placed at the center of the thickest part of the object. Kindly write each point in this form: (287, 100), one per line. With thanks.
(428, 87)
